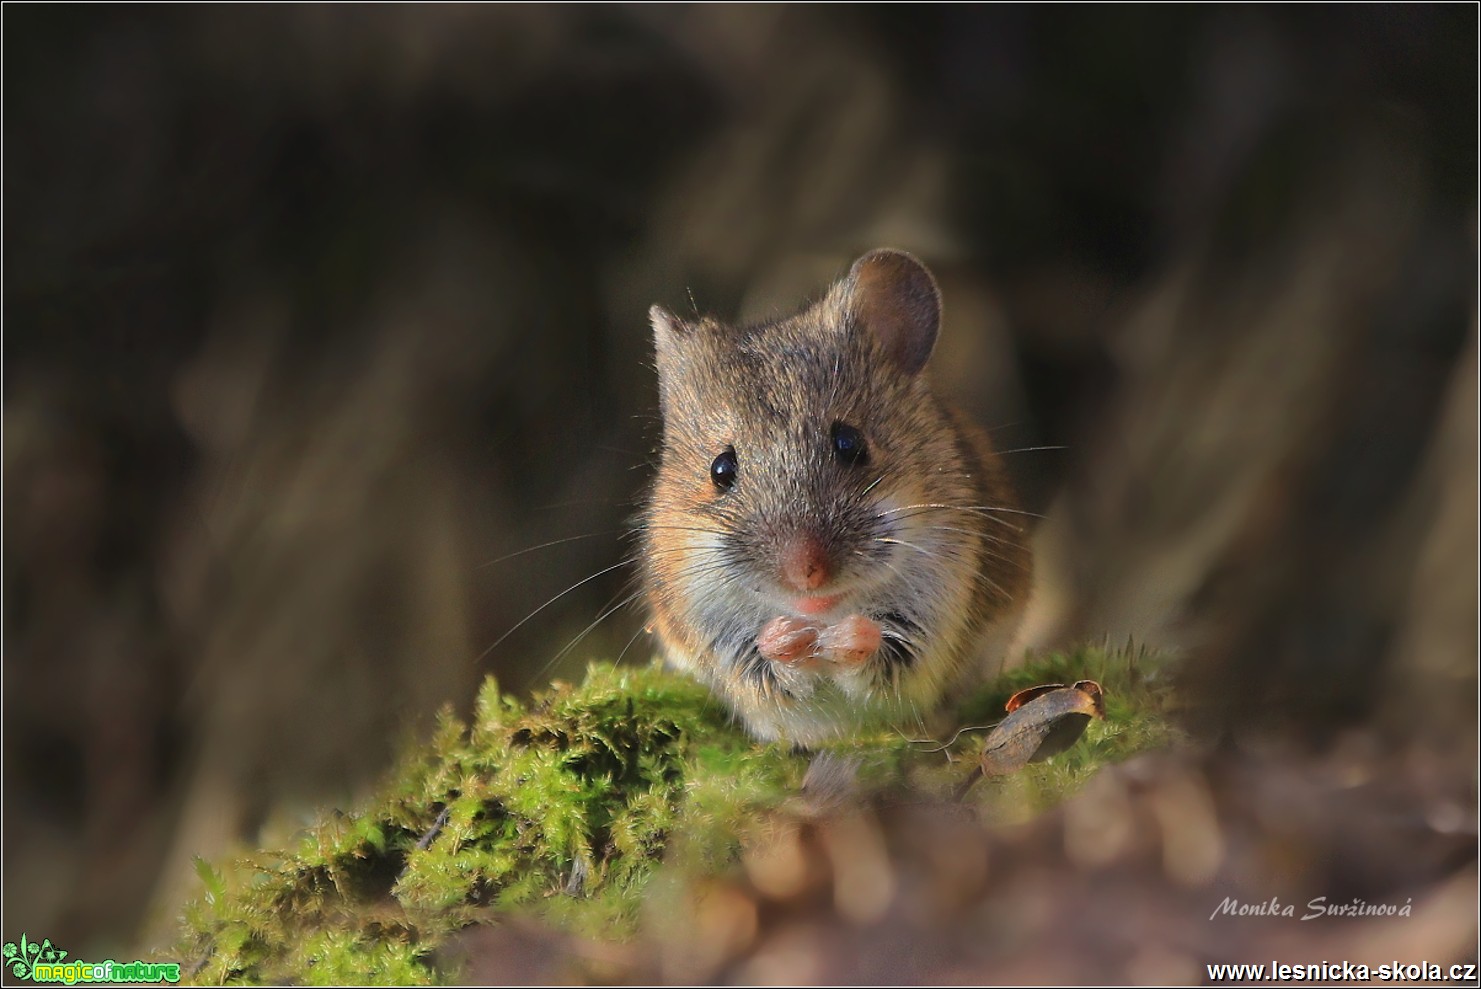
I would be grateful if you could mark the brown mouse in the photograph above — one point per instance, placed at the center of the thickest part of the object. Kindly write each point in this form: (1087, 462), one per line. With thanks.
(827, 544)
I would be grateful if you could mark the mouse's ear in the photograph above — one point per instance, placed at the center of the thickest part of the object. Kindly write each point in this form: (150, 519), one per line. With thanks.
(668, 331)
(895, 298)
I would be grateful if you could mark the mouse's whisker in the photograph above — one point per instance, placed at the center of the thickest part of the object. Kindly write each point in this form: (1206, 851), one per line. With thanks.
(1021, 562)
(1031, 449)
(946, 506)
(580, 583)
(883, 561)
(626, 600)
(680, 528)
(546, 545)
(935, 554)
(640, 631)
(918, 718)
(1004, 509)
(992, 585)
(720, 570)
(987, 551)
(682, 554)
(984, 511)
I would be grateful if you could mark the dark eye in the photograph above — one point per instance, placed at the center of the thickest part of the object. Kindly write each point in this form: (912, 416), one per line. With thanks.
(849, 445)
(722, 471)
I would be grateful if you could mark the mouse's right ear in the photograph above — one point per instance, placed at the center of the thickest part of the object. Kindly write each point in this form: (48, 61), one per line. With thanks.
(894, 296)
(669, 332)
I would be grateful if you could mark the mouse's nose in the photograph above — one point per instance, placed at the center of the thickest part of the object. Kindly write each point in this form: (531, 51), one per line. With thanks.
(805, 563)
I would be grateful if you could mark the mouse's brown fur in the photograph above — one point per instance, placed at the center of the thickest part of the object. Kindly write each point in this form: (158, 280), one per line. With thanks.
(917, 543)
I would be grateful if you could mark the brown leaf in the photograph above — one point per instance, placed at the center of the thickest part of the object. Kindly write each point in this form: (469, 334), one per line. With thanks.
(1042, 721)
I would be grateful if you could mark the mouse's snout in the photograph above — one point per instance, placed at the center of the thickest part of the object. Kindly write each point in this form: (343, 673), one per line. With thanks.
(805, 565)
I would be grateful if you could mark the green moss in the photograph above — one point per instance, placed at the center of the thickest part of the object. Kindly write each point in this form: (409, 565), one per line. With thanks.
(564, 807)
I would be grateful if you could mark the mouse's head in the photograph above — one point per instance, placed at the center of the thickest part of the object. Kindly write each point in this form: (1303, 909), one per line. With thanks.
(798, 455)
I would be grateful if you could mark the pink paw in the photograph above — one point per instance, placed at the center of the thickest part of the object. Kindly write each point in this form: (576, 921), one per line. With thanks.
(850, 642)
(788, 640)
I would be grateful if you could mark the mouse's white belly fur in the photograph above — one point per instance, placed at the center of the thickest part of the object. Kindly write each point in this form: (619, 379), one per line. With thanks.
(930, 579)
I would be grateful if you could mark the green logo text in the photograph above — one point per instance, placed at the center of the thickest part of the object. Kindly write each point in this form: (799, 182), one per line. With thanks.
(41, 961)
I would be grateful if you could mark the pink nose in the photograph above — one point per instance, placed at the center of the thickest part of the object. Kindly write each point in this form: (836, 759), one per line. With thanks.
(805, 563)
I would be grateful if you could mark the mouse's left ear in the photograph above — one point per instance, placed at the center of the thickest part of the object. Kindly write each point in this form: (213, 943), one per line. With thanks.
(669, 331)
(893, 295)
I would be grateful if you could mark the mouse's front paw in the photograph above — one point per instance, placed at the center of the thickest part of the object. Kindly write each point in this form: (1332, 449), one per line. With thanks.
(788, 640)
(851, 641)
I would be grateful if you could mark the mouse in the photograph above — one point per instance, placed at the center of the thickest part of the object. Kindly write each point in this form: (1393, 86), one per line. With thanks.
(826, 544)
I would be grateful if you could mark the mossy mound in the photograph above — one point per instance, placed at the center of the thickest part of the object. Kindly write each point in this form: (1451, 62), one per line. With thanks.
(563, 807)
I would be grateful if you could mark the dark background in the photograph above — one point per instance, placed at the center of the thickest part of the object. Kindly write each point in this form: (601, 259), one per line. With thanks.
(312, 315)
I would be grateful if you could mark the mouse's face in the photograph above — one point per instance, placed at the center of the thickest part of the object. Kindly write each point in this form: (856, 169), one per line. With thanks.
(808, 471)
(785, 446)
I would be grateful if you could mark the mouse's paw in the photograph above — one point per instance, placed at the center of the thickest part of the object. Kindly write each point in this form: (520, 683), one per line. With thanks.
(788, 640)
(850, 642)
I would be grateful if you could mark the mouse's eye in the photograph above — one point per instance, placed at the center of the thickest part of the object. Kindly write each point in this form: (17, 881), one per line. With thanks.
(849, 445)
(722, 471)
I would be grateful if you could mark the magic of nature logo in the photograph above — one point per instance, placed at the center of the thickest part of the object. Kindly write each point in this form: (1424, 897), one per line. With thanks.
(42, 961)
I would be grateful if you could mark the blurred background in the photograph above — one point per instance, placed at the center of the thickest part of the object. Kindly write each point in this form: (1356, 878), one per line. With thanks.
(314, 315)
